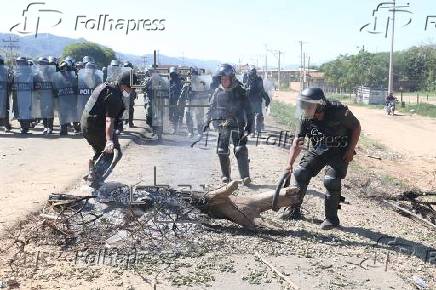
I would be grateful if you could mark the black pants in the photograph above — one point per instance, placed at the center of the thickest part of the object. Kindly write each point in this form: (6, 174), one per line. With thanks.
(310, 165)
(313, 162)
(131, 109)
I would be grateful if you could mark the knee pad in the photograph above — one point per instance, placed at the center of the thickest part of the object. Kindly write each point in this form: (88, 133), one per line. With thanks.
(332, 184)
(241, 151)
(302, 175)
(223, 151)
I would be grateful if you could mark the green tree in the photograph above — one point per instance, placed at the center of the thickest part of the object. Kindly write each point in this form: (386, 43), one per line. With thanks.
(102, 55)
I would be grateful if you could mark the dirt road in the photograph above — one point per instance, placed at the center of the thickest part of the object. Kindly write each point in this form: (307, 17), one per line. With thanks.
(354, 257)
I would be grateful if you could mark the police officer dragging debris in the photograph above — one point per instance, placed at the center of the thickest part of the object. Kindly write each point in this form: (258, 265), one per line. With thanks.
(104, 108)
(256, 94)
(230, 111)
(333, 132)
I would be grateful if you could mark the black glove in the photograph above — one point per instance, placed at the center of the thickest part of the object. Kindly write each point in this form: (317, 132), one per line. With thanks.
(267, 103)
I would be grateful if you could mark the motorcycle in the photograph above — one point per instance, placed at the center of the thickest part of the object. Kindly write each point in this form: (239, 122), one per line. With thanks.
(390, 107)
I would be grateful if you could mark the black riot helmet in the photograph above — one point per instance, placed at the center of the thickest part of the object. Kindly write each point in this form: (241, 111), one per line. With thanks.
(115, 62)
(87, 59)
(42, 61)
(52, 60)
(91, 65)
(21, 60)
(252, 72)
(125, 78)
(173, 72)
(226, 70)
(2, 61)
(128, 64)
(70, 58)
(194, 71)
(309, 102)
(79, 65)
(66, 65)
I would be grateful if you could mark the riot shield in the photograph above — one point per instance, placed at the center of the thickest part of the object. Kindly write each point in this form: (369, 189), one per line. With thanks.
(23, 83)
(43, 93)
(3, 91)
(201, 83)
(88, 80)
(66, 91)
(199, 100)
(113, 73)
(161, 92)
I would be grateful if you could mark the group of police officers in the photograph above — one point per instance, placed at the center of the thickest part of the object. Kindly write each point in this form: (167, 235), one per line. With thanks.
(96, 101)
(40, 88)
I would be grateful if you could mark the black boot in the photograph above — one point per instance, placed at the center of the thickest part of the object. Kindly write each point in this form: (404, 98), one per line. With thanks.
(331, 204)
(292, 213)
(64, 130)
(225, 168)
(241, 153)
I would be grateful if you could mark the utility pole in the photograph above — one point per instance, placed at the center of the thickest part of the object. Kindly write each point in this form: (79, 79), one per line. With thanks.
(266, 62)
(277, 53)
(304, 70)
(391, 54)
(308, 70)
(278, 70)
(11, 46)
(301, 66)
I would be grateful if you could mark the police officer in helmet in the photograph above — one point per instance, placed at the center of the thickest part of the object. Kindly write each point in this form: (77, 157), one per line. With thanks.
(333, 132)
(231, 113)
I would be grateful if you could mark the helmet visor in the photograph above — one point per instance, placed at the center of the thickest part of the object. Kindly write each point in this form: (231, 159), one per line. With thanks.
(306, 109)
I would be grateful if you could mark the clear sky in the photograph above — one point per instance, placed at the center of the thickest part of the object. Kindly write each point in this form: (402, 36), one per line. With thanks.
(236, 31)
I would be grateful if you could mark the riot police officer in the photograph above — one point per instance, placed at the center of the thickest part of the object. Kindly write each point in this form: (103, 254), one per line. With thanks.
(132, 98)
(22, 93)
(333, 132)
(65, 82)
(43, 93)
(87, 59)
(174, 94)
(256, 94)
(4, 96)
(194, 98)
(230, 111)
(102, 111)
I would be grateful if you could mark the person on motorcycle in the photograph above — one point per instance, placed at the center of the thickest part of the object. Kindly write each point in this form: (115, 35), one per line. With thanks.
(390, 98)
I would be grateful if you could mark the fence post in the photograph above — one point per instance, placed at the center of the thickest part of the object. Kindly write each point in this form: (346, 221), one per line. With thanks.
(402, 103)
(417, 99)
